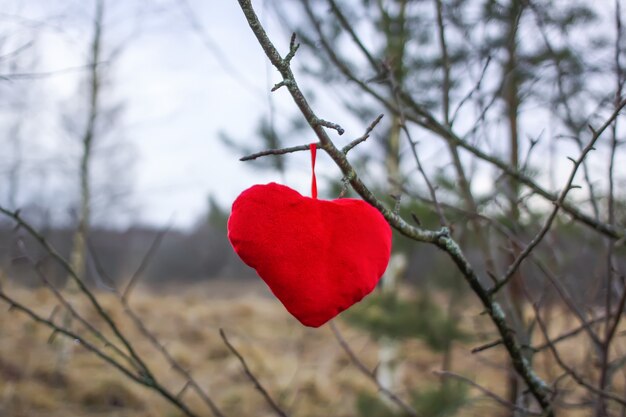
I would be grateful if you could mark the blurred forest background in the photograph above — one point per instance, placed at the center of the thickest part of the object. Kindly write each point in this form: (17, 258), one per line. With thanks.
(121, 129)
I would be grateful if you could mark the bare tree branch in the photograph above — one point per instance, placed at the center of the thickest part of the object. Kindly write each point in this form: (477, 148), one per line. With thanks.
(142, 379)
(558, 203)
(440, 238)
(190, 381)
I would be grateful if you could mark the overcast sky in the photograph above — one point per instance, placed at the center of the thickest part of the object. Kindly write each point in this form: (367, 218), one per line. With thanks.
(178, 92)
(180, 87)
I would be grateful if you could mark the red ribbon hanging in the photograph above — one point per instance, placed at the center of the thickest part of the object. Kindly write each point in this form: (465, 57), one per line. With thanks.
(313, 147)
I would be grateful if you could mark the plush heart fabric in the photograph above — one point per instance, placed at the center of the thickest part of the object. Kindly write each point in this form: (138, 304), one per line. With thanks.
(318, 257)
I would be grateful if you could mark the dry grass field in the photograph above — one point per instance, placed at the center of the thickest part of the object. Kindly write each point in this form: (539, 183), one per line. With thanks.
(304, 369)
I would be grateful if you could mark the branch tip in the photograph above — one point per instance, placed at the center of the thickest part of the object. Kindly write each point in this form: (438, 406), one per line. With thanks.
(330, 125)
(293, 48)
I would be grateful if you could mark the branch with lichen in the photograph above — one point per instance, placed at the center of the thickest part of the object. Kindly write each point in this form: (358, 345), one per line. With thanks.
(441, 238)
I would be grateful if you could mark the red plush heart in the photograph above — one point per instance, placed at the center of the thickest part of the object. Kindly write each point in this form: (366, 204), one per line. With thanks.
(318, 257)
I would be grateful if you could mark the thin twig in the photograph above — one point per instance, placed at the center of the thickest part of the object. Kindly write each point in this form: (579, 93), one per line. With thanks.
(154, 246)
(488, 393)
(605, 377)
(567, 335)
(16, 305)
(348, 28)
(49, 74)
(74, 313)
(471, 92)
(486, 346)
(141, 379)
(423, 118)
(368, 373)
(431, 189)
(558, 203)
(365, 136)
(220, 57)
(151, 337)
(330, 125)
(252, 377)
(15, 216)
(564, 97)
(570, 371)
(281, 151)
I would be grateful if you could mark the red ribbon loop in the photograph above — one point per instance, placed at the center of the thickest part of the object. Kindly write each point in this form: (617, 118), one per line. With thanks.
(313, 147)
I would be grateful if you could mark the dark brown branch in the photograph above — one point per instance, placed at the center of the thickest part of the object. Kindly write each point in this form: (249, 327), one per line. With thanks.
(190, 381)
(486, 346)
(538, 348)
(15, 305)
(254, 379)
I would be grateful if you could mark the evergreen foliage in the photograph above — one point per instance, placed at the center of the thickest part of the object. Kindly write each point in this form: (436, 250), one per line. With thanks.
(388, 315)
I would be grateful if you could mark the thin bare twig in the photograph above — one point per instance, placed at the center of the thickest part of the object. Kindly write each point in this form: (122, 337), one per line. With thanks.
(558, 203)
(355, 38)
(74, 313)
(252, 377)
(369, 374)
(488, 393)
(220, 57)
(300, 148)
(141, 378)
(570, 371)
(48, 74)
(281, 151)
(154, 246)
(486, 346)
(365, 136)
(570, 121)
(151, 337)
(567, 335)
(423, 118)
(15, 216)
(473, 91)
